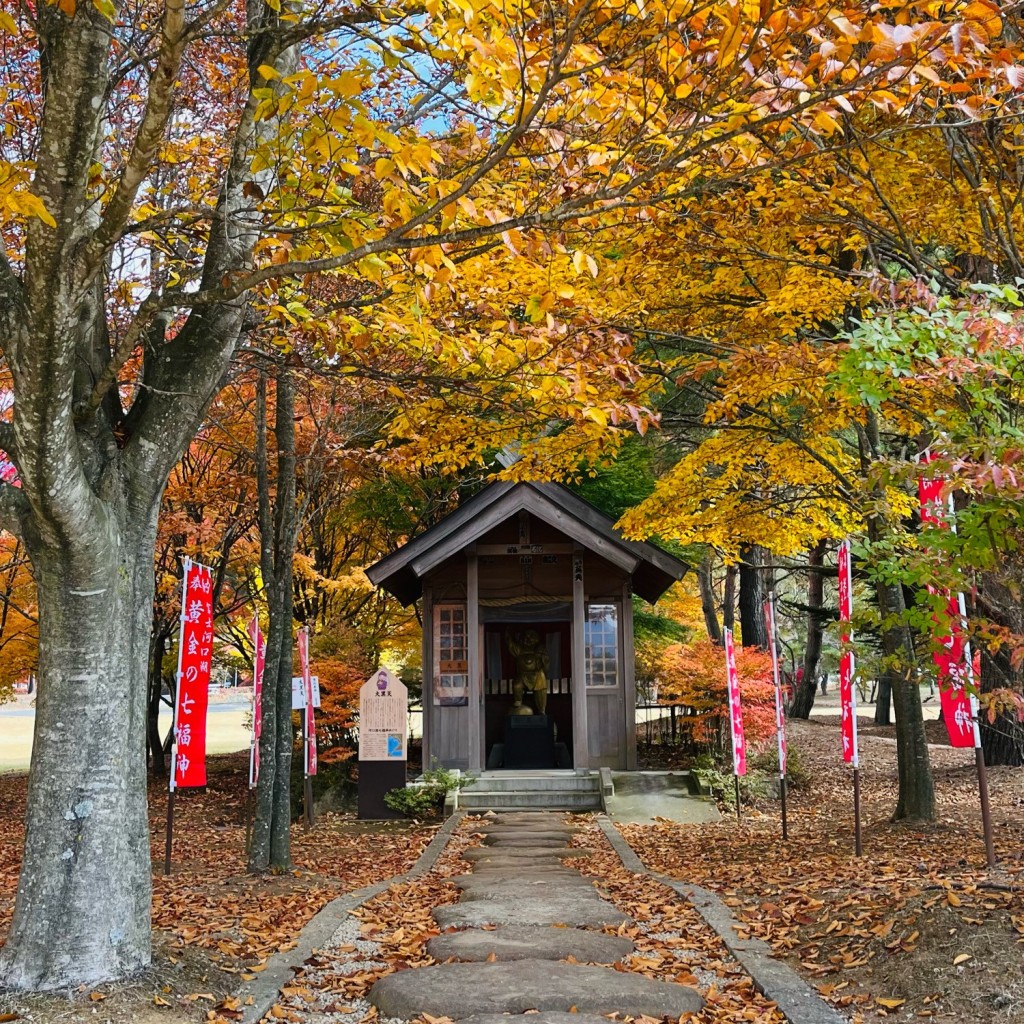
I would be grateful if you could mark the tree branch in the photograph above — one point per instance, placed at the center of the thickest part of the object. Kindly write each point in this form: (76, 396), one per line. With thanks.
(13, 507)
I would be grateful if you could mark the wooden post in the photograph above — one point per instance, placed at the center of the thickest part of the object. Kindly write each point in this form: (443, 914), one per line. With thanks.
(628, 676)
(580, 732)
(428, 677)
(476, 697)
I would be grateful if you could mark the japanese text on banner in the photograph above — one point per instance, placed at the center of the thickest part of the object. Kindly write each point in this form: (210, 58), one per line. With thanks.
(194, 659)
(739, 743)
(953, 663)
(847, 698)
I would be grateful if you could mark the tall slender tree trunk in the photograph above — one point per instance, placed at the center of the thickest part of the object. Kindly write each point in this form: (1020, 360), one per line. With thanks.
(279, 524)
(803, 696)
(916, 799)
(729, 598)
(754, 584)
(708, 604)
(883, 697)
(87, 793)
(154, 743)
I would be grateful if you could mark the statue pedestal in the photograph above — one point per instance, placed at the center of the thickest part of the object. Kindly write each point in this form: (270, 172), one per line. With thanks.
(529, 742)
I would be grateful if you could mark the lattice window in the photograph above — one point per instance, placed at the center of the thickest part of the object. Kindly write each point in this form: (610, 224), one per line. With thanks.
(601, 637)
(451, 656)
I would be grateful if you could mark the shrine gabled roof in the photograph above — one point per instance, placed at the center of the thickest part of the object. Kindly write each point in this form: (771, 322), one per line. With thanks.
(651, 570)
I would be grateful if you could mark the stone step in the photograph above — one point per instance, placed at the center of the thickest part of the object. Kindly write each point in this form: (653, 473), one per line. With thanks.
(475, 799)
(530, 943)
(510, 781)
(460, 990)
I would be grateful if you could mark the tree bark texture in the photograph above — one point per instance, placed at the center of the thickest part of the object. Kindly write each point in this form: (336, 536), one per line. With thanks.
(916, 798)
(729, 598)
(92, 475)
(707, 599)
(754, 584)
(279, 526)
(804, 693)
(883, 698)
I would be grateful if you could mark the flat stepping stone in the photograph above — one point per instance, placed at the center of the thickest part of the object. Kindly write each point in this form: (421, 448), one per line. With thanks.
(530, 943)
(463, 990)
(527, 842)
(544, 1017)
(568, 909)
(532, 837)
(541, 828)
(536, 881)
(511, 890)
(552, 854)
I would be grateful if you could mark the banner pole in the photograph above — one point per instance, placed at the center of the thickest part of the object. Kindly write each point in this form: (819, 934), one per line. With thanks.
(739, 813)
(170, 832)
(186, 565)
(986, 810)
(782, 795)
(307, 782)
(780, 714)
(857, 845)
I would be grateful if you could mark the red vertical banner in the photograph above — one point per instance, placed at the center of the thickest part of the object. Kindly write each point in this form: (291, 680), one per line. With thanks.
(307, 690)
(259, 658)
(847, 694)
(195, 649)
(954, 665)
(780, 711)
(739, 746)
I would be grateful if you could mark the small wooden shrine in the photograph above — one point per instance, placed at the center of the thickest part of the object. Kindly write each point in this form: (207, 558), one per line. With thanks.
(527, 583)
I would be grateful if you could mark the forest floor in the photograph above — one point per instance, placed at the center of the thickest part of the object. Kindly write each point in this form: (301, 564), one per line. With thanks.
(214, 924)
(917, 928)
(914, 929)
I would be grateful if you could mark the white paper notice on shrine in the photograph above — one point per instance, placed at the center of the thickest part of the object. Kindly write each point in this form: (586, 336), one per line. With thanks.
(383, 718)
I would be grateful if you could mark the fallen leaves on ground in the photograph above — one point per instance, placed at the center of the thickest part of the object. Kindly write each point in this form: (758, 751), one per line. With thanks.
(884, 934)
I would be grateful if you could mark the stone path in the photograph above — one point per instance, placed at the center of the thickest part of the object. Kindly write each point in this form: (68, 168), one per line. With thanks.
(530, 930)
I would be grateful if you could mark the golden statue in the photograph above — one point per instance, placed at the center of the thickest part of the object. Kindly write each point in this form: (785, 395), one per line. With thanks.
(531, 672)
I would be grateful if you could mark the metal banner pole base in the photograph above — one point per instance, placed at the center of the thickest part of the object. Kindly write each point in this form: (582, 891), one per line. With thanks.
(857, 845)
(307, 800)
(170, 832)
(782, 794)
(986, 810)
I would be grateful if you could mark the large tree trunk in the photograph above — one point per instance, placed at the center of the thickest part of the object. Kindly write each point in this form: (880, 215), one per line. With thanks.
(916, 799)
(803, 696)
(753, 594)
(82, 906)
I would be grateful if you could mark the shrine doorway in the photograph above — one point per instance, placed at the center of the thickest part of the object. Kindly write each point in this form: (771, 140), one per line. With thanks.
(552, 622)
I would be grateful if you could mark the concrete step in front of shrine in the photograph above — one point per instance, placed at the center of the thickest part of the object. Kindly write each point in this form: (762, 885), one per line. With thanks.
(512, 790)
(529, 937)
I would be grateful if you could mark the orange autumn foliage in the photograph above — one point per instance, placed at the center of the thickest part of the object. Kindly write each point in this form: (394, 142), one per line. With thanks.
(693, 675)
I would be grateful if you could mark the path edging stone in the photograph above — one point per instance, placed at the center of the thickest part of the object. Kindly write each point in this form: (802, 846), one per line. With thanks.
(775, 980)
(322, 925)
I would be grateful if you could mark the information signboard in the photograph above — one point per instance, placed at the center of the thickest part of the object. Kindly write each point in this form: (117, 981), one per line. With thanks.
(383, 718)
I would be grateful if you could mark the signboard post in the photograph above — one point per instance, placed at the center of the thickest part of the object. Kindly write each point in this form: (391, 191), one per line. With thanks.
(195, 648)
(383, 739)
